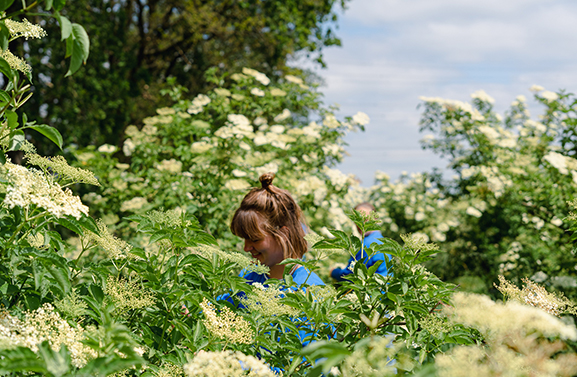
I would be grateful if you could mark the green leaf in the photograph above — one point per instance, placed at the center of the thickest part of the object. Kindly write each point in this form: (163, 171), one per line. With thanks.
(59, 4)
(88, 222)
(5, 4)
(16, 139)
(4, 97)
(80, 48)
(21, 359)
(2, 158)
(50, 132)
(4, 36)
(48, 4)
(12, 119)
(70, 223)
(65, 27)
(69, 45)
(5, 67)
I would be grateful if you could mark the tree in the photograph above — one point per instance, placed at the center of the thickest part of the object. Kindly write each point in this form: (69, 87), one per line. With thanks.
(138, 44)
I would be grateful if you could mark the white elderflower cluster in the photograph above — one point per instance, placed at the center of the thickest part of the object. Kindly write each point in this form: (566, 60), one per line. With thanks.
(133, 204)
(276, 92)
(361, 119)
(285, 114)
(515, 341)
(257, 92)
(244, 262)
(198, 103)
(171, 166)
(127, 295)
(336, 177)
(535, 295)
(483, 97)
(376, 360)
(169, 370)
(226, 324)
(114, 247)
(44, 324)
(226, 363)
(418, 241)
(24, 29)
(260, 77)
(237, 126)
(561, 162)
(497, 320)
(266, 300)
(59, 166)
(32, 187)
(237, 184)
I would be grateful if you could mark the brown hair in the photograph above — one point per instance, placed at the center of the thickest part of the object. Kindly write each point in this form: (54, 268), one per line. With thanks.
(365, 205)
(267, 210)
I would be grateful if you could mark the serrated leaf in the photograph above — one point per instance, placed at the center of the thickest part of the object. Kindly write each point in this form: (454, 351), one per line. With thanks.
(88, 223)
(70, 223)
(50, 132)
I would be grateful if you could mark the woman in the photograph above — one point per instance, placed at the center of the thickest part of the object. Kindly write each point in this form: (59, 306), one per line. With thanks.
(271, 224)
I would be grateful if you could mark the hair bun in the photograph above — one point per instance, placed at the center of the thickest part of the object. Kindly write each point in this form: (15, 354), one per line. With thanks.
(266, 180)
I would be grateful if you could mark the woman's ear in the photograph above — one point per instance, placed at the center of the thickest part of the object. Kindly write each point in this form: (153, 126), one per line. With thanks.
(285, 230)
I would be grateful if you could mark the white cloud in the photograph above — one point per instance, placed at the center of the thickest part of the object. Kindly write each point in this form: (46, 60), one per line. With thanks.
(397, 50)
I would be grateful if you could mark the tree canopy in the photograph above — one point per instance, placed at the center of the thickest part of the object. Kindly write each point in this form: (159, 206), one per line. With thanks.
(137, 44)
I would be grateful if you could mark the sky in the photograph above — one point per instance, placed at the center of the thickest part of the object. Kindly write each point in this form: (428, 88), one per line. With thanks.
(395, 51)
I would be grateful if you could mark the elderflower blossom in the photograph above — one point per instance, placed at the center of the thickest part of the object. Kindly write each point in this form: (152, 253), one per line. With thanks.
(257, 92)
(226, 363)
(171, 166)
(535, 295)
(276, 92)
(260, 77)
(198, 103)
(266, 300)
(483, 97)
(127, 295)
(244, 262)
(107, 148)
(36, 240)
(549, 96)
(498, 320)
(294, 79)
(418, 241)
(15, 62)
(114, 247)
(169, 369)
(24, 29)
(226, 324)
(472, 211)
(32, 187)
(282, 116)
(59, 166)
(44, 324)
(361, 119)
(558, 161)
(133, 204)
(237, 185)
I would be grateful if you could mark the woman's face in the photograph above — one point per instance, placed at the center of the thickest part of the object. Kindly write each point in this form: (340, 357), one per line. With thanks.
(267, 251)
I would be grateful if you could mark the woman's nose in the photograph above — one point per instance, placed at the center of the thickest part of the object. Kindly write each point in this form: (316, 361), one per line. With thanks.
(247, 245)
